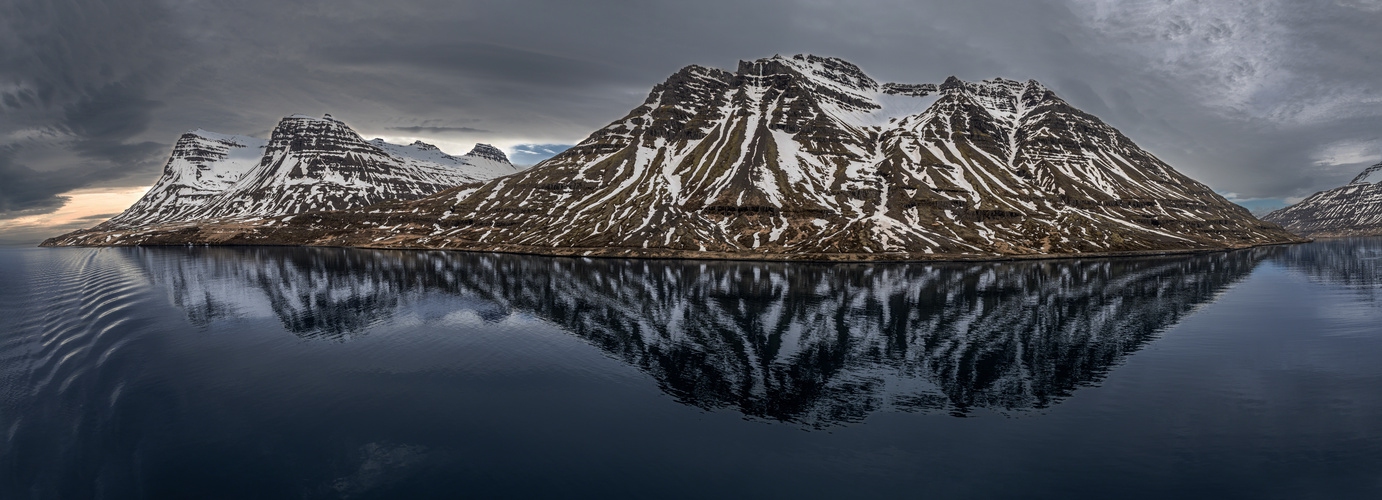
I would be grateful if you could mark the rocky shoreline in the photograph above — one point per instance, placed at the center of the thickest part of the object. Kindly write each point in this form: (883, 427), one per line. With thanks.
(247, 234)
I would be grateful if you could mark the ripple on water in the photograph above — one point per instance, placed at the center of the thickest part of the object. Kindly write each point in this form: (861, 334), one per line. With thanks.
(71, 314)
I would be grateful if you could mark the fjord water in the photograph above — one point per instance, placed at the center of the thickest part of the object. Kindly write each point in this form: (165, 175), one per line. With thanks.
(338, 373)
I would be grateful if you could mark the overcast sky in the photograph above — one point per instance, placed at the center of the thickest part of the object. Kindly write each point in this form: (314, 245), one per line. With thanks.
(1266, 101)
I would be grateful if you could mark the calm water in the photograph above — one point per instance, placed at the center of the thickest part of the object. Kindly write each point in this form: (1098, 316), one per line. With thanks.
(335, 373)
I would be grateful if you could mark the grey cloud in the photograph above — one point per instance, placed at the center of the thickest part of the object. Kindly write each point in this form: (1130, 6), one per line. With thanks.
(439, 130)
(97, 217)
(25, 191)
(482, 61)
(75, 81)
(99, 128)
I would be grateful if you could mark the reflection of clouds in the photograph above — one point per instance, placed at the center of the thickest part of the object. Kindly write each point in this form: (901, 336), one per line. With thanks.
(816, 344)
(380, 464)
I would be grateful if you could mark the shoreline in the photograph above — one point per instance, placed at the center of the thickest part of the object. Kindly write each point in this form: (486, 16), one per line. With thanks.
(662, 254)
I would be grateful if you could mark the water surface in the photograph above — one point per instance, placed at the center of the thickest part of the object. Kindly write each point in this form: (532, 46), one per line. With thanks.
(340, 373)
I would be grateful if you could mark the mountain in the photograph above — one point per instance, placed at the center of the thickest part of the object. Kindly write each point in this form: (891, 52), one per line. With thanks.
(1354, 209)
(203, 165)
(307, 164)
(807, 157)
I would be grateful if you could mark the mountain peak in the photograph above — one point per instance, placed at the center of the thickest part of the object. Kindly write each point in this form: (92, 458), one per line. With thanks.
(1371, 174)
(308, 164)
(952, 83)
(488, 152)
(423, 145)
(832, 69)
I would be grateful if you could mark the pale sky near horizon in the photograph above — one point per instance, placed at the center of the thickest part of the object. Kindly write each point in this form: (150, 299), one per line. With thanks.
(1266, 101)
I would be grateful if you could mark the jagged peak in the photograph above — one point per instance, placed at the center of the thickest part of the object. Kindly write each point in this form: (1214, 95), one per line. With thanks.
(200, 135)
(813, 61)
(423, 145)
(953, 84)
(696, 71)
(1000, 85)
(482, 150)
(1371, 174)
(831, 69)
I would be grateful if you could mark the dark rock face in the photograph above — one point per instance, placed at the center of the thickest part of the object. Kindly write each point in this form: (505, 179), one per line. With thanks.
(1354, 209)
(487, 152)
(807, 157)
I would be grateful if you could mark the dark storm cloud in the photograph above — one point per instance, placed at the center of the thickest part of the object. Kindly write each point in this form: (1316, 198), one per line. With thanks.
(1257, 98)
(481, 61)
(25, 191)
(75, 83)
(97, 129)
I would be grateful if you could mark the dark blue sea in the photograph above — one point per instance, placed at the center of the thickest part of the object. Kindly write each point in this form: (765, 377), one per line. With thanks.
(315, 373)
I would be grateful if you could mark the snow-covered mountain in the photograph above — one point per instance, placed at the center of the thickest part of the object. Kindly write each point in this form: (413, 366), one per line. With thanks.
(307, 164)
(807, 157)
(203, 165)
(1354, 209)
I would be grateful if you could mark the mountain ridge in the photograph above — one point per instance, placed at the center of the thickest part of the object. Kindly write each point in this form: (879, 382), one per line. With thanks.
(806, 157)
(308, 163)
(1354, 209)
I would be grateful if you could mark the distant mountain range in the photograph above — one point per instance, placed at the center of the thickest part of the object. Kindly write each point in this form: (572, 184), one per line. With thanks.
(800, 157)
(306, 164)
(1354, 209)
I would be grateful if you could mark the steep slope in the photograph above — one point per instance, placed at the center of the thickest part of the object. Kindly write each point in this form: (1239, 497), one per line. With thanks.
(203, 165)
(1354, 209)
(307, 164)
(807, 157)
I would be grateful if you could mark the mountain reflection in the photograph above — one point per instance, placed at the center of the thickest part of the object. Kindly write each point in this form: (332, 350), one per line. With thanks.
(810, 343)
(1352, 263)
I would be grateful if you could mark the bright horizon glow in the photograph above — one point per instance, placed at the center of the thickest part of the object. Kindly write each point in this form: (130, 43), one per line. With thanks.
(78, 212)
